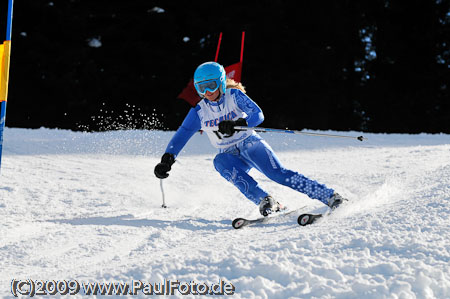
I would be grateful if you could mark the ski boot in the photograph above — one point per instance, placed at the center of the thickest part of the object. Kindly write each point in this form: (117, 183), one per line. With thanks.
(268, 206)
(335, 201)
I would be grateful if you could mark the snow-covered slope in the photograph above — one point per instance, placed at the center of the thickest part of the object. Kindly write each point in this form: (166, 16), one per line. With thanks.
(87, 207)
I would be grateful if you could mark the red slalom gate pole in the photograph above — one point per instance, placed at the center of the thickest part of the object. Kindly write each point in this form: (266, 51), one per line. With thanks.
(218, 47)
(242, 47)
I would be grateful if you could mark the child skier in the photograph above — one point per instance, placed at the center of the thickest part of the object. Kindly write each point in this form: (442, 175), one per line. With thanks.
(225, 105)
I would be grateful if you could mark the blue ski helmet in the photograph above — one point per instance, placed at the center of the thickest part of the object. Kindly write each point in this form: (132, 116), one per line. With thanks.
(210, 76)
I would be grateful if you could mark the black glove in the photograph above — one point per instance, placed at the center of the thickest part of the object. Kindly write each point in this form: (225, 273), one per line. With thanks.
(227, 126)
(162, 169)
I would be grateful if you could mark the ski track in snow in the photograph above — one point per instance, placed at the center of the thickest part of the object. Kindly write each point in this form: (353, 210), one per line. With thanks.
(87, 207)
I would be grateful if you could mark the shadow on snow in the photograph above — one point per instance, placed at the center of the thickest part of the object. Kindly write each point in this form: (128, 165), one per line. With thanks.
(129, 220)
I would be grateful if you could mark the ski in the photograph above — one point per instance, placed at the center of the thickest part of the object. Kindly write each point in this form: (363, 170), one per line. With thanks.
(242, 222)
(307, 219)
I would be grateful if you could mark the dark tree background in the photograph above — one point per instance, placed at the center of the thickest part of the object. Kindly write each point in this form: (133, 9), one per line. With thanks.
(375, 65)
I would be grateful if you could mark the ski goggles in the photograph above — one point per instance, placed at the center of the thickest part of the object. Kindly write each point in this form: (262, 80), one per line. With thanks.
(211, 85)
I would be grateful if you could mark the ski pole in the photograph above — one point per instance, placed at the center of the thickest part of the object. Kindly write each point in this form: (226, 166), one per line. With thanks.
(265, 130)
(163, 197)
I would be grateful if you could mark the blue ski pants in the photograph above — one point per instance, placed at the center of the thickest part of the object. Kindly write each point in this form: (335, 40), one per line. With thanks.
(235, 162)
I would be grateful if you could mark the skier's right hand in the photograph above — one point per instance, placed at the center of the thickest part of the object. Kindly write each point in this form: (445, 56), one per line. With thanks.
(162, 169)
(227, 126)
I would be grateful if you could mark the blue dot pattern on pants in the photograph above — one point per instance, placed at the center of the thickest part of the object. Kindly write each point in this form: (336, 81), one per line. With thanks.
(311, 188)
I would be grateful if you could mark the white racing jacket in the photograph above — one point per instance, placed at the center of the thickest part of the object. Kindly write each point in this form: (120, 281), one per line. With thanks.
(212, 113)
(207, 115)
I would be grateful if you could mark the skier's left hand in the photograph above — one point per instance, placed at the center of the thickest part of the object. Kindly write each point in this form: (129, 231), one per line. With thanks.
(227, 126)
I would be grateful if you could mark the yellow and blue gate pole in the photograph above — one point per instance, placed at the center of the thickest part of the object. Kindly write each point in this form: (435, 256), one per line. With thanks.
(5, 51)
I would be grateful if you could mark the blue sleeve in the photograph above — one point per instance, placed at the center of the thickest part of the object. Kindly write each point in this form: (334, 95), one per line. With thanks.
(188, 128)
(255, 114)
